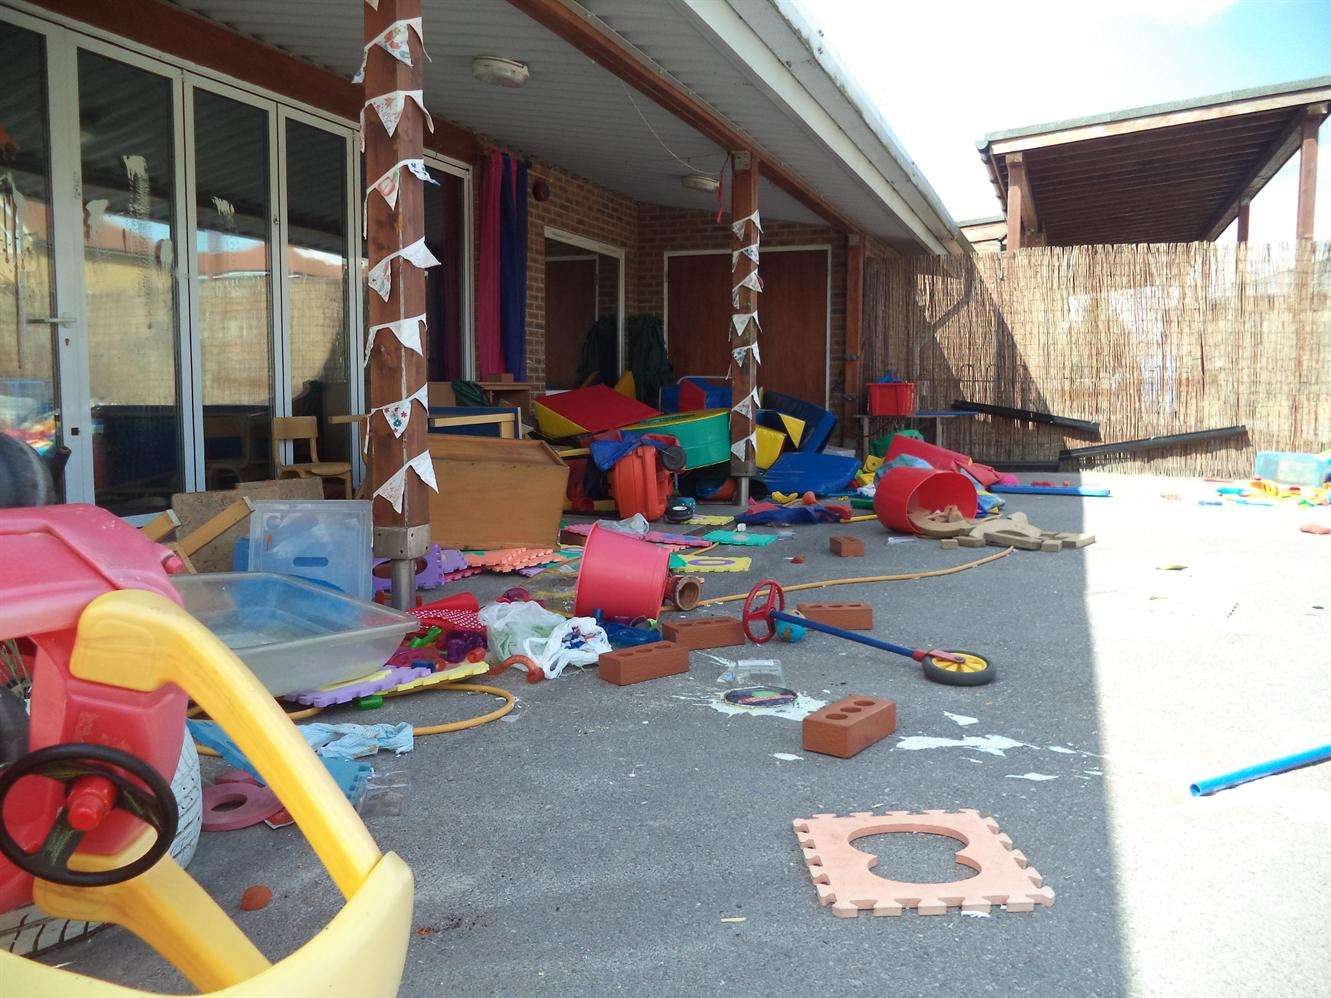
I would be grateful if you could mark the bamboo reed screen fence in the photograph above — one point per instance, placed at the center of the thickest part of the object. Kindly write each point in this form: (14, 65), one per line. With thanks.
(1147, 339)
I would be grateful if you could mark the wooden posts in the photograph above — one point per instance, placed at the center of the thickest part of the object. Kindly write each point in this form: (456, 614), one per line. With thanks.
(395, 370)
(743, 333)
(1308, 172)
(1243, 224)
(853, 370)
(1021, 217)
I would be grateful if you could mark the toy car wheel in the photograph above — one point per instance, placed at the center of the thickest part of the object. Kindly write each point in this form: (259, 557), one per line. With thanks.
(972, 670)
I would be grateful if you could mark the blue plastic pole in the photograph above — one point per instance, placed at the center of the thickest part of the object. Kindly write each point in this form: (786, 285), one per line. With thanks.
(1203, 788)
(813, 625)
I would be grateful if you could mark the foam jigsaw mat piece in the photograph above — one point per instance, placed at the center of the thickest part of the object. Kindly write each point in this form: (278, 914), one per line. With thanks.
(709, 520)
(715, 563)
(453, 674)
(744, 539)
(510, 559)
(377, 682)
(843, 877)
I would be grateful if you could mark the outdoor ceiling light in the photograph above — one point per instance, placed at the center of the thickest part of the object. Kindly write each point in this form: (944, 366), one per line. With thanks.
(700, 182)
(500, 72)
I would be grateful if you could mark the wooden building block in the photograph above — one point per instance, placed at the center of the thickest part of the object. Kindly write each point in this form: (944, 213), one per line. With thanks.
(845, 546)
(849, 726)
(948, 543)
(851, 616)
(643, 662)
(704, 632)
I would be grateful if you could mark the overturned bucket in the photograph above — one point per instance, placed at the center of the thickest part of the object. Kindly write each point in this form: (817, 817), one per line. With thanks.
(621, 576)
(903, 491)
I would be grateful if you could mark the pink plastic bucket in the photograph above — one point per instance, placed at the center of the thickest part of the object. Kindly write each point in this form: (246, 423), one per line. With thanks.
(902, 491)
(621, 576)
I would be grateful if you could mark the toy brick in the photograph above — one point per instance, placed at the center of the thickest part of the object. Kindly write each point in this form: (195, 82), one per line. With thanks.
(704, 632)
(966, 541)
(643, 662)
(1048, 546)
(851, 616)
(845, 546)
(948, 543)
(849, 726)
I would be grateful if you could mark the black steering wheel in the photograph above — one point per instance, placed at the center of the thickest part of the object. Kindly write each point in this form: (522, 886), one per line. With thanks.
(155, 806)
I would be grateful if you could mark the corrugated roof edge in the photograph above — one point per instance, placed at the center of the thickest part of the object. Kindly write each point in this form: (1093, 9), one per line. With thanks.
(1189, 104)
(825, 57)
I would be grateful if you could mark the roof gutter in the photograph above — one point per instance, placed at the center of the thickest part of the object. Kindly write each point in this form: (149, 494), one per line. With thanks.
(784, 56)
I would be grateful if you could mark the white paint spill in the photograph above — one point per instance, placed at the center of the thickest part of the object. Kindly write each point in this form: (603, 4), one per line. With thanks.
(976, 914)
(797, 710)
(787, 757)
(1093, 772)
(989, 744)
(1063, 751)
(961, 719)
(1033, 777)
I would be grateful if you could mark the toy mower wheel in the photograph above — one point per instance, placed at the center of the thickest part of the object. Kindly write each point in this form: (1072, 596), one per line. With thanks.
(972, 670)
(155, 806)
(756, 612)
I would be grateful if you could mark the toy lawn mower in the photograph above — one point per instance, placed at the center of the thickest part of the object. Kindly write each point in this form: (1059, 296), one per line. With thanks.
(86, 813)
(765, 608)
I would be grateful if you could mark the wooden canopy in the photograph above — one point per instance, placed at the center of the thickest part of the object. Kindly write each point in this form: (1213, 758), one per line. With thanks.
(1176, 172)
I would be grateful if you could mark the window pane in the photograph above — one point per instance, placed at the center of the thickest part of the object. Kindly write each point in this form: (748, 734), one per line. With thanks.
(29, 396)
(316, 262)
(234, 288)
(126, 133)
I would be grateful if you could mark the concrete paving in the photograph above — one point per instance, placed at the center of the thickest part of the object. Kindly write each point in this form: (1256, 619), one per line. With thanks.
(598, 838)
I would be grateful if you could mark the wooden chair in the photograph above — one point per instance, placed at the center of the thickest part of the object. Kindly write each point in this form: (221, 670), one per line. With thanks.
(295, 429)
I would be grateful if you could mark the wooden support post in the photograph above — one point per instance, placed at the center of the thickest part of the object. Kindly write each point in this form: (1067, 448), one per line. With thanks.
(1016, 195)
(1243, 224)
(853, 376)
(744, 373)
(1308, 174)
(395, 371)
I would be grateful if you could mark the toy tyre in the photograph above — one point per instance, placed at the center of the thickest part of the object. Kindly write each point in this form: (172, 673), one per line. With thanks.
(27, 931)
(975, 671)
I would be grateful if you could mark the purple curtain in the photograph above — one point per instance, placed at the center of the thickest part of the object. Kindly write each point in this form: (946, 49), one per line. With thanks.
(513, 268)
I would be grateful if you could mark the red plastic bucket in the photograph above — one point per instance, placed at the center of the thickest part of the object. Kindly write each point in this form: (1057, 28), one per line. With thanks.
(621, 576)
(902, 491)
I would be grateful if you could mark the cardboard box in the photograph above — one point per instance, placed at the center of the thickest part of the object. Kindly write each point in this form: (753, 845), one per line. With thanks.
(495, 493)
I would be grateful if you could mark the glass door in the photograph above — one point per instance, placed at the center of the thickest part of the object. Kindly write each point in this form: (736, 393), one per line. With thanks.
(30, 396)
(128, 129)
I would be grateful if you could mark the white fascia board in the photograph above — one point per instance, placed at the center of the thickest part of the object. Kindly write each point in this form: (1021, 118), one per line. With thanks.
(759, 36)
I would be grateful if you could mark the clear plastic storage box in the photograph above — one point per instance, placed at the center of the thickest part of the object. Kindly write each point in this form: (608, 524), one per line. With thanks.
(322, 540)
(294, 635)
(1291, 468)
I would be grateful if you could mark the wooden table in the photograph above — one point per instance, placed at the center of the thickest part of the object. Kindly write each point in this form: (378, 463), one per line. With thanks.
(515, 393)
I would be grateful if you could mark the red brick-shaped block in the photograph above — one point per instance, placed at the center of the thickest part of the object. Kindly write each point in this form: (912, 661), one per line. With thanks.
(849, 726)
(845, 546)
(851, 616)
(704, 632)
(643, 662)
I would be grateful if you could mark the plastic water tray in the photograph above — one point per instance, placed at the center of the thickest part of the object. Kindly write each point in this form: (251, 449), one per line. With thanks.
(294, 635)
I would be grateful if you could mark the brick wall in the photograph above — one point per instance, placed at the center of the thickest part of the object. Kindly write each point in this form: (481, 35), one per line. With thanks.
(662, 230)
(578, 206)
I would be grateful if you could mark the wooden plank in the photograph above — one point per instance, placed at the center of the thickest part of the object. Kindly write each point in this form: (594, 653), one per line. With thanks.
(1186, 116)
(1153, 443)
(1028, 416)
(1016, 190)
(1312, 121)
(160, 527)
(193, 509)
(395, 371)
(593, 39)
(744, 376)
(852, 378)
(1268, 164)
(1243, 222)
(215, 526)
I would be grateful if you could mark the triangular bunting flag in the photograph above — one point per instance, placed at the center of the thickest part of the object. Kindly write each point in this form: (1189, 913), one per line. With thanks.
(739, 447)
(737, 226)
(740, 321)
(408, 332)
(390, 183)
(380, 278)
(393, 488)
(398, 414)
(750, 251)
(393, 39)
(389, 107)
